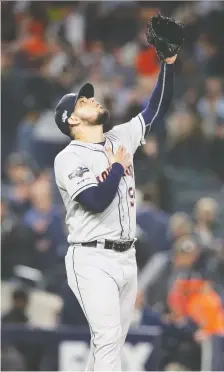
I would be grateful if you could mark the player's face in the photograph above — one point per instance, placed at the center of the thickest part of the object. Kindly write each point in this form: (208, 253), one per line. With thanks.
(89, 110)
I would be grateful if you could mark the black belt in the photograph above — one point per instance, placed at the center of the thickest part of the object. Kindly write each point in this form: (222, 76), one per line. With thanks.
(117, 246)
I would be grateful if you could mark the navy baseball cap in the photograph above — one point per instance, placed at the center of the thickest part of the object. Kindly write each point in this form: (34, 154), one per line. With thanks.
(66, 106)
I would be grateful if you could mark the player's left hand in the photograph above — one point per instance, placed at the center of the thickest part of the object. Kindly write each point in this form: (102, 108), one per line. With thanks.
(171, 60)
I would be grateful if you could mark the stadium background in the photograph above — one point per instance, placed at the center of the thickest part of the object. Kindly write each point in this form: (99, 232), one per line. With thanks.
(49, 49)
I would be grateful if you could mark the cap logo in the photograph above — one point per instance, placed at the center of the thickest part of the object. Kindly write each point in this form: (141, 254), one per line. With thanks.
(64, 116)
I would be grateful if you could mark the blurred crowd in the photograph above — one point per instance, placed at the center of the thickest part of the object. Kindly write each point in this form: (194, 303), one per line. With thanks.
(50, 48)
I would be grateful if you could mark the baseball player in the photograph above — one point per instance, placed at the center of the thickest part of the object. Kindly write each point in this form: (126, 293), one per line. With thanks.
(95, 177)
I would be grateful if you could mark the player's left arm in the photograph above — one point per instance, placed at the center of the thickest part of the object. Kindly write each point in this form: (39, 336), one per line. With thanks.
(135, 131)
(161, 98)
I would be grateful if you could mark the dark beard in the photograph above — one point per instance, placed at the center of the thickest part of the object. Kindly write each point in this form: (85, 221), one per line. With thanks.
(103, 118)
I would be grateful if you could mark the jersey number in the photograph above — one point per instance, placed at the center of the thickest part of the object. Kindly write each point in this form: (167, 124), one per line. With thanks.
(131, 193)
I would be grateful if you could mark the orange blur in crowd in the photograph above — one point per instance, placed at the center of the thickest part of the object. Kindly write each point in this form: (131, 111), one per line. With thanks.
(196, 299)
(35, 46)
(147, 62)
(33, 41)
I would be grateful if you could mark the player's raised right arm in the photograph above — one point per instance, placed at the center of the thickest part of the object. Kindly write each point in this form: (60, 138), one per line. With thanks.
(161, 97)
(137, 128)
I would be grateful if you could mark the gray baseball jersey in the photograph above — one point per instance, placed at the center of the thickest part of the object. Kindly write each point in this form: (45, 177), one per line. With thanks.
(82, 165)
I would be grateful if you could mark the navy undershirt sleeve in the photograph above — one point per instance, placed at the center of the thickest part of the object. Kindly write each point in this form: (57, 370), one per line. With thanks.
(98, 198)
(161, 98)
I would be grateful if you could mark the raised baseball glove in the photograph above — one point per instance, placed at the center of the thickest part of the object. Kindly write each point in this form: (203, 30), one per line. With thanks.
(166, 35)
